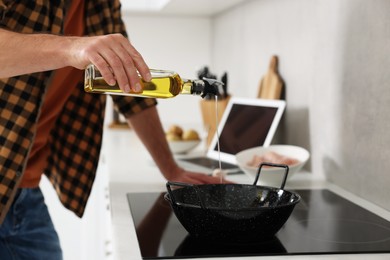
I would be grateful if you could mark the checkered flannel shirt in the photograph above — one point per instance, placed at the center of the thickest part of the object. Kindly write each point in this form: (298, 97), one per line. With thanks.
(75, 141)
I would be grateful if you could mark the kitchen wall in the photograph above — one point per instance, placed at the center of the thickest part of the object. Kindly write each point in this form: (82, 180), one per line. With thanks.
(335, 59)
(333, 56)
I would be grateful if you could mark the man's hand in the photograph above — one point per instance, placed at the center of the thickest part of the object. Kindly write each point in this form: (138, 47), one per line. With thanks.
(181, 175)
(148, 127)
(114, 56)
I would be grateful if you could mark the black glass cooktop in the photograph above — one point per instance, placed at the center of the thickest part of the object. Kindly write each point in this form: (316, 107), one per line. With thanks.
(322, 223)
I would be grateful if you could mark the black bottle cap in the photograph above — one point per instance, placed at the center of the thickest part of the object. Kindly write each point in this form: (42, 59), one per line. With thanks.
(212, 87)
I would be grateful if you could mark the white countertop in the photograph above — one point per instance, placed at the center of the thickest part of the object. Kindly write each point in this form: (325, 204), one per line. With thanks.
(131, 169)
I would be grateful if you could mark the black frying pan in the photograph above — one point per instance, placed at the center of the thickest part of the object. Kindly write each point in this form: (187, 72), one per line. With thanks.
(232, 213)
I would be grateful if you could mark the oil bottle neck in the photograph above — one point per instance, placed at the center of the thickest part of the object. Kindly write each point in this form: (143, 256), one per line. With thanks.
(201, 87)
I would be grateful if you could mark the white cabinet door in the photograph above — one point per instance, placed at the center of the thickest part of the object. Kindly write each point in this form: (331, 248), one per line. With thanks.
(89, 237)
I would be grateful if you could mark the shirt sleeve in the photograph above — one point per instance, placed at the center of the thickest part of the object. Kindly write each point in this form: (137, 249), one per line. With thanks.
(129, 106)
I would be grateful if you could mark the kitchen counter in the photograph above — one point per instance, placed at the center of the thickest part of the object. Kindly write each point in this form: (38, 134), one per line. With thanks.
(131, 169)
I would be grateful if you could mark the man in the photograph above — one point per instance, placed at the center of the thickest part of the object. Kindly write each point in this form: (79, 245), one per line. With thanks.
(49, 125)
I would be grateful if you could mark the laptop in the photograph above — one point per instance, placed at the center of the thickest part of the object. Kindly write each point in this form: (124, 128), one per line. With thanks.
(245, 123)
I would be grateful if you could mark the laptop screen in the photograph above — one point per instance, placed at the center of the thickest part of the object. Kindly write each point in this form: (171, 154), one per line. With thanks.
(246, 126)
(246, 123)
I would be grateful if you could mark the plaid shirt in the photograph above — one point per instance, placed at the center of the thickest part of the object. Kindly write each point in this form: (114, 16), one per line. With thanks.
(75, 140)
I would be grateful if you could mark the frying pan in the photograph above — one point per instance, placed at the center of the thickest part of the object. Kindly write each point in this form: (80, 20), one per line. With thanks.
(232, 213)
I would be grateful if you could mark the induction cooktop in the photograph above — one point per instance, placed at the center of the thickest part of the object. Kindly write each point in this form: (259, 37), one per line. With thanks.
(322, 223)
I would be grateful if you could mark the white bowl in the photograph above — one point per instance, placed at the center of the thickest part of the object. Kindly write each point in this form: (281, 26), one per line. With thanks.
(272, 176)
(180, 147)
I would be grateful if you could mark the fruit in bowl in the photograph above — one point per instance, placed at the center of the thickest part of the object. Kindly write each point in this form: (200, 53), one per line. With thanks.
(294, 157)
(182, 141)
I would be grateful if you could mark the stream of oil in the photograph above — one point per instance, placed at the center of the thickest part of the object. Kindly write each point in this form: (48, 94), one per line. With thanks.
(219, 148)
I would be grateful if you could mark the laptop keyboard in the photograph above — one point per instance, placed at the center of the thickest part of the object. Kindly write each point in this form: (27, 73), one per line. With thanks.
(209, 163)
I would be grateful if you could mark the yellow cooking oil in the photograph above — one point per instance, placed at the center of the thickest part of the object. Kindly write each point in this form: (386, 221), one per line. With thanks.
(164, 84)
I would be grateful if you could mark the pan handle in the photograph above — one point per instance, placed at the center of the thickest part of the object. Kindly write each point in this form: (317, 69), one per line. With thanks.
(273, 165)
(181, 184)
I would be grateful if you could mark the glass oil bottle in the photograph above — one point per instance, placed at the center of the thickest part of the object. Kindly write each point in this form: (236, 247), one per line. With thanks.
(164, 84)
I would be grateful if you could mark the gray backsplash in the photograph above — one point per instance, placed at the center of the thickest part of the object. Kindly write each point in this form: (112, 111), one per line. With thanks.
(335, 59)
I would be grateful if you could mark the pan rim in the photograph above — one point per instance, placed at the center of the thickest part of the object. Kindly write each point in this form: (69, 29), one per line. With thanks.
(297, 199)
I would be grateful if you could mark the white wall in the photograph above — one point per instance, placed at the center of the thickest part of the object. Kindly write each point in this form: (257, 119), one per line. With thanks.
(334, 58)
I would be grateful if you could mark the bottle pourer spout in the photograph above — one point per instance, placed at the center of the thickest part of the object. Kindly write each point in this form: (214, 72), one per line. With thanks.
(212, 86)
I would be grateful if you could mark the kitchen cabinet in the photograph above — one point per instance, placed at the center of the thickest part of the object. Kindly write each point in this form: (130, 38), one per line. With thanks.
(88, 237)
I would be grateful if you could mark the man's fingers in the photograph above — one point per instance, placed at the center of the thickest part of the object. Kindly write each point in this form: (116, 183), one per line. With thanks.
(103, 68)
(126, 61)
(139, 62)
(117, 60)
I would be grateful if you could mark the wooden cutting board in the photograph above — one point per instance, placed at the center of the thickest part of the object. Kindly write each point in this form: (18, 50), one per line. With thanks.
(271, 85)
